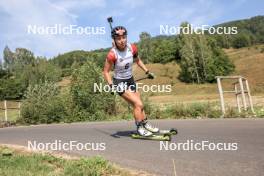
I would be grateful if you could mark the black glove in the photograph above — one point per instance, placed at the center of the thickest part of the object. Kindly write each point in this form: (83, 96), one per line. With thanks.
(113, 90)
(150, 75)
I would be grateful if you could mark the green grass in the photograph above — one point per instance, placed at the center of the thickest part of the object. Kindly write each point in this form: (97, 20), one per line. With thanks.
(12, 112)
(197, 110)
(14, 163)
(12, 115)
(259, 111)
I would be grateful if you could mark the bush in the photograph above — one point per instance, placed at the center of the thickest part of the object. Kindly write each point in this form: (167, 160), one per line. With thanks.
(42, 104)
(85, 103)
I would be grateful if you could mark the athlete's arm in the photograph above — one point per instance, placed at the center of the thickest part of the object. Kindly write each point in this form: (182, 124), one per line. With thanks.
(141, 65)
(137, 59)
(106, 72)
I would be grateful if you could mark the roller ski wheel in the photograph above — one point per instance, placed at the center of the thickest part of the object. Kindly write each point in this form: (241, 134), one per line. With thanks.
(155, 137)
(172, 131)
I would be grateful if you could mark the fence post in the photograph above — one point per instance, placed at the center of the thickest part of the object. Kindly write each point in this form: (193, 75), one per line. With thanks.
(5, 104)
(220, 89)
(19, 109)
(237, 99)
(249, 97)
(243, 93)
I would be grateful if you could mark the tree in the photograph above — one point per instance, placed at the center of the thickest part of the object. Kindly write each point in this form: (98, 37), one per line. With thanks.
(241, 40)
(22, 70)
(9, 58)
(203, 55)
(18, 59)
(201, 59)
(3, 72)
(220, 65)
(223, 40)
(145, 46)
(24, 56)
(11, 88)
(188, 64)
(164, 51)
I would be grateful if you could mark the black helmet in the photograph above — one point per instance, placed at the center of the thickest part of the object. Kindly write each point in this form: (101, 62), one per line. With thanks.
(118, 30)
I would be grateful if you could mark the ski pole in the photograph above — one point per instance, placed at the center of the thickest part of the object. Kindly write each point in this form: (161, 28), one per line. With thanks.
(141, 79)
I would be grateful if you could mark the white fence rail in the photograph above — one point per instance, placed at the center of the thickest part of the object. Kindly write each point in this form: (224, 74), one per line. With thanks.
(7, 111)
(241, 91)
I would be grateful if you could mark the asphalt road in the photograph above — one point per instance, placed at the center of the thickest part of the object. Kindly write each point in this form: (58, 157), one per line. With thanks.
(245, 135)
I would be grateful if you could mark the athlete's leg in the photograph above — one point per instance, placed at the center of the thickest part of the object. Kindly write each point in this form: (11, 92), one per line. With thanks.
(138, 108)
(137, 94)
(147, 125)
(139, 114)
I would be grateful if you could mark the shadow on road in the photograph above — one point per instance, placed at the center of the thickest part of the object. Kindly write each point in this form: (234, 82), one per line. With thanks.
(119, 134)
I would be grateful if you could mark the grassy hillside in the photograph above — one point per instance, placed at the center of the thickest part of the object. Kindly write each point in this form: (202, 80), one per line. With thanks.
(252, 27)
(249, 63)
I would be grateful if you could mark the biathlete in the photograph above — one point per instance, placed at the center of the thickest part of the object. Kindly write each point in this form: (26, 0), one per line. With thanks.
(121, 58)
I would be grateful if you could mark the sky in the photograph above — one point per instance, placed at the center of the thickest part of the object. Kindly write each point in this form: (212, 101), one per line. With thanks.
(136, 15)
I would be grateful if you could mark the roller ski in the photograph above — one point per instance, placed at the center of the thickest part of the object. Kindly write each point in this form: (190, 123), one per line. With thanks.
(148, 132)
(155, 137)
